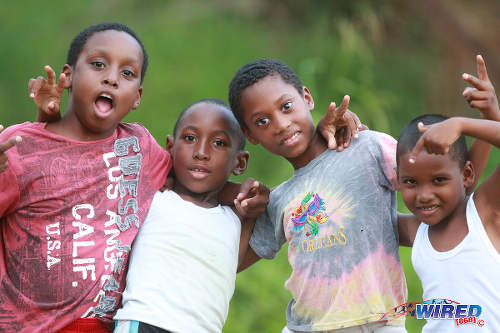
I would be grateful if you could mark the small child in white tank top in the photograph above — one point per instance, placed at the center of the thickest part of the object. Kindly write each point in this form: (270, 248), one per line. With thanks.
(456, 248)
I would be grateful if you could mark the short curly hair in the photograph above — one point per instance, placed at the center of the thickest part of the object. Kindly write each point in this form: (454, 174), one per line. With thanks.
(78, 43)
(253, 72)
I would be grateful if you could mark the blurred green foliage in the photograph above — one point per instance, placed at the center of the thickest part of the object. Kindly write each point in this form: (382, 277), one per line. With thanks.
(196, 47)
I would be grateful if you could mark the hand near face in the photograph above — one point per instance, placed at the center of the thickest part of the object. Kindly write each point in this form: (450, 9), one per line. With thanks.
(4, 146)
(436, 138)
(482, 95)
(339, 125)
(47, 94)
(252, 199)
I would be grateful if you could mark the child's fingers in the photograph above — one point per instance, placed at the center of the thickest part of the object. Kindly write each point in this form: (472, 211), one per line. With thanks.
(474, 81)
(419, 145)
(480, 104)
(245, 189)
(481, 68)
(37, 84)
(474, 94)
(62, 83)
(9, 143)
(51, 75)
(347, 137)
(329, 135)
(53, 107)
(343, 107)
(353, 126)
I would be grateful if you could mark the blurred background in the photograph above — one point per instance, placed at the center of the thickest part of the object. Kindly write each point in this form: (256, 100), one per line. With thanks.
(396, 59)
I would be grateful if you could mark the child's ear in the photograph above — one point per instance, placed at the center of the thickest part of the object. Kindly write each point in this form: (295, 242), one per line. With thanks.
(138, 99)
(253, 140)
(468, 174)
(68, 71)
(308, 98)
(242, 163)
(170, 143)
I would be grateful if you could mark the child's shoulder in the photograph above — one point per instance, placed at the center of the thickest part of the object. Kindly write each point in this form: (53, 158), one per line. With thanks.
(20, 129)
(377, 138)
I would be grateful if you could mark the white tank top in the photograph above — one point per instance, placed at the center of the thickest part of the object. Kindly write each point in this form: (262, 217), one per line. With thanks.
(468, 274)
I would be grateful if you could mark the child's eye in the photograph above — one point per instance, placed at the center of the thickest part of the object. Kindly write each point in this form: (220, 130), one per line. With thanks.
(262, 121)
(439, 180)
(409, 182)
(287, 106)
(219, 143)
(128, 73)
(189, 138)
(97, 64)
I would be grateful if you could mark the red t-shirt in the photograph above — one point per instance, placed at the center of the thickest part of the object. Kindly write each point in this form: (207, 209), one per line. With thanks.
(69, 212)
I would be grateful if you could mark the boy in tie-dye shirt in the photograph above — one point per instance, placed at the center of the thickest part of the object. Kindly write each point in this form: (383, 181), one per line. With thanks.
(337, 212)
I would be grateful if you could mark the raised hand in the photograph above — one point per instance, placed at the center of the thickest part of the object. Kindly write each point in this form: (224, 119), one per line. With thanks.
(4, 146)
(252, 199)
(482, 95)
(47, 94)
(339, 125)
(436, 138)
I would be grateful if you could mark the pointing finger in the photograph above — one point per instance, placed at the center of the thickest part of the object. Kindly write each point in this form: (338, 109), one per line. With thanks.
(419, 145)
(9, 143)
(416, 150)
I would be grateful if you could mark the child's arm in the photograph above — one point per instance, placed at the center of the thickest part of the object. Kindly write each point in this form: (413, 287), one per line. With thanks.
(407, 229)
(250, 202)
(339, 125)
(4, 146)
(47, 95)
(482, 97)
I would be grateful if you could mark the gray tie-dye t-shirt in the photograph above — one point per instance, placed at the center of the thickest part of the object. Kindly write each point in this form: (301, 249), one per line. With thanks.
(338, 215)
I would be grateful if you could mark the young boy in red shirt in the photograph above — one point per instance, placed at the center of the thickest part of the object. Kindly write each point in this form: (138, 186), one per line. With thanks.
(76, 190)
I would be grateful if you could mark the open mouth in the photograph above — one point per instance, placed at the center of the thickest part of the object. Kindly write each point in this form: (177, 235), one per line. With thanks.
(426, 210)
(104, 104)
(291, 139)
(199, 173)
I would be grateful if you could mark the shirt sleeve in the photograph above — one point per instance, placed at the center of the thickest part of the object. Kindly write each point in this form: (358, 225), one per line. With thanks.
(263, 240)
(9, 189)
(387, 159)
(159, 163)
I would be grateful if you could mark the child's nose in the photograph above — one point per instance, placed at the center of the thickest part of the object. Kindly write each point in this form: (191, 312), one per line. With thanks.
(282, 123)
(424, 195)
(111, 77)
(110, 82)
(201, 152)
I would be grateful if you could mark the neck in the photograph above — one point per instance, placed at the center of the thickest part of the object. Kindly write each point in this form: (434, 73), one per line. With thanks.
(205, 199)
(450, 231)
(70, 127)
(316, 147)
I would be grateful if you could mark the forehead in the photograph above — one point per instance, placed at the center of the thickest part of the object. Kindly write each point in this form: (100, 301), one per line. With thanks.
(208, 117)
(267, 90)
(427, 164)
(114, 42)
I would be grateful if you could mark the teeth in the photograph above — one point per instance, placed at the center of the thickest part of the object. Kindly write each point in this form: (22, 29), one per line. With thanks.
(292, 137)
(428, 208)
(106, 96)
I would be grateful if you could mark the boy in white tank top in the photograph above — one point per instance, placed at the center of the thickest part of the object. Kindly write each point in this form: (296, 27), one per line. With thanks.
(456, 250)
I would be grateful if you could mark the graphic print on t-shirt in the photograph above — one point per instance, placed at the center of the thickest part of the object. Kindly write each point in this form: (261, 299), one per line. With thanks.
(317, 223)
